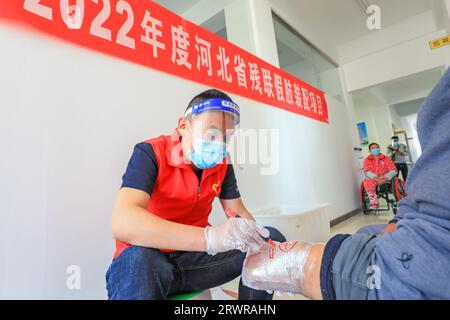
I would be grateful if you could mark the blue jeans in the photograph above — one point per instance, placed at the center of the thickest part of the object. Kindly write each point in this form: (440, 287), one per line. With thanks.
(144, 273)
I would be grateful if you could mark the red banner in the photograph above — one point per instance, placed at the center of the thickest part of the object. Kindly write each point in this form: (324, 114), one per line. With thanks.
(145, 33)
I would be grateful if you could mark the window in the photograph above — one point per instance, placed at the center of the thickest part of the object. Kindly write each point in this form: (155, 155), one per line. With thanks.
(302, 60)
(206, 14)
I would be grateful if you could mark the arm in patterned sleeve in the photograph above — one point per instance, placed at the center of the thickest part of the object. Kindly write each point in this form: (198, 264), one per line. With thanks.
(392, 169)
(366, 168)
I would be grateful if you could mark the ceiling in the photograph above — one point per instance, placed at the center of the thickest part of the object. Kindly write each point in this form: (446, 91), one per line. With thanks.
(345, 20)
(178, 6)
(215, 24)
(181, 6)
(408, 108)
(398, 91)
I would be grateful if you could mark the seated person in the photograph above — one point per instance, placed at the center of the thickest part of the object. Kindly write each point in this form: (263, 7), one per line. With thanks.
(378, 170)
(410, 260)
(164, 242)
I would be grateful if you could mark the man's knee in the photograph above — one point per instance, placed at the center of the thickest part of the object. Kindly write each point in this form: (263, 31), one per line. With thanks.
(276, 235)
(146, 258)
(139, 273)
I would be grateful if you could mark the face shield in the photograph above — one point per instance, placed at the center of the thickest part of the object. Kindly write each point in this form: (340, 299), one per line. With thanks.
(212, 124)
(395, 143)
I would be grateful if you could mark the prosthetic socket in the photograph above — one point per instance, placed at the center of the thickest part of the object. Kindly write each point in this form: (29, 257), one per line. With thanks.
(281, 268)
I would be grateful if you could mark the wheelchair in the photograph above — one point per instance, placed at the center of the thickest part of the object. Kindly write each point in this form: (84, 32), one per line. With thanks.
(392, 192)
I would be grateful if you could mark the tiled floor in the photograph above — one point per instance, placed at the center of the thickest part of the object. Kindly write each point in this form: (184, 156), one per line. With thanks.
(349, 226)
(360, 220)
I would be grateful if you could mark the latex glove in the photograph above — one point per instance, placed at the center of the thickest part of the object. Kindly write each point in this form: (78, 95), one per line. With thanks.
(235, 234)
(280, 269)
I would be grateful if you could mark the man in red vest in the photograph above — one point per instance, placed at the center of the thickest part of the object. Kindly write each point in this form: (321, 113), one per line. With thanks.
(164, 244)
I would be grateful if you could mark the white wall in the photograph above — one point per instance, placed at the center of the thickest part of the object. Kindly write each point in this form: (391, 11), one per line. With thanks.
(304, 18)
(379, 58)
(379, 120)
(410, 125)
(405, 115)
(396, 119)
(392, 53)
(447, 27)
(399, 61)
(69, 120)
(388, 37)
(378, 123)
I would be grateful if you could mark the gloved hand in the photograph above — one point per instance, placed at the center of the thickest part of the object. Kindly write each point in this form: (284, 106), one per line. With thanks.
(280, 269)
(235, 234)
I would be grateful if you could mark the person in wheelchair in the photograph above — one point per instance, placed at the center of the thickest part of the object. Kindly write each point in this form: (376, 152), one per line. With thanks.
(379, 171)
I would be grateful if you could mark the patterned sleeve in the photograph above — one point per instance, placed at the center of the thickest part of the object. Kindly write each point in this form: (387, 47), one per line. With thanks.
(390, 165)
(366, 165)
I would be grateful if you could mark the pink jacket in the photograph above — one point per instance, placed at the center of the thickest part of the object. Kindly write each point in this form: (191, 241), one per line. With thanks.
(384, 166)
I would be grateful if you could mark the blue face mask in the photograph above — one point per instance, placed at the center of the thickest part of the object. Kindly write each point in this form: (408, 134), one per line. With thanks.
(207, 154)
(375, 152)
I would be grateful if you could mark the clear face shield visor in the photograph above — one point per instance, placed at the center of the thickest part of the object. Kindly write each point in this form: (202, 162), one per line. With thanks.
(395, 143)
(213, 120)
(213, 124)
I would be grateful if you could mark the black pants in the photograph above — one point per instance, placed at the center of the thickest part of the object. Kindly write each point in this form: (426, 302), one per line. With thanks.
(403, 168)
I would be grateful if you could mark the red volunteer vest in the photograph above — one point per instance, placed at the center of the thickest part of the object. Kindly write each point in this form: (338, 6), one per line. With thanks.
(177, 195)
